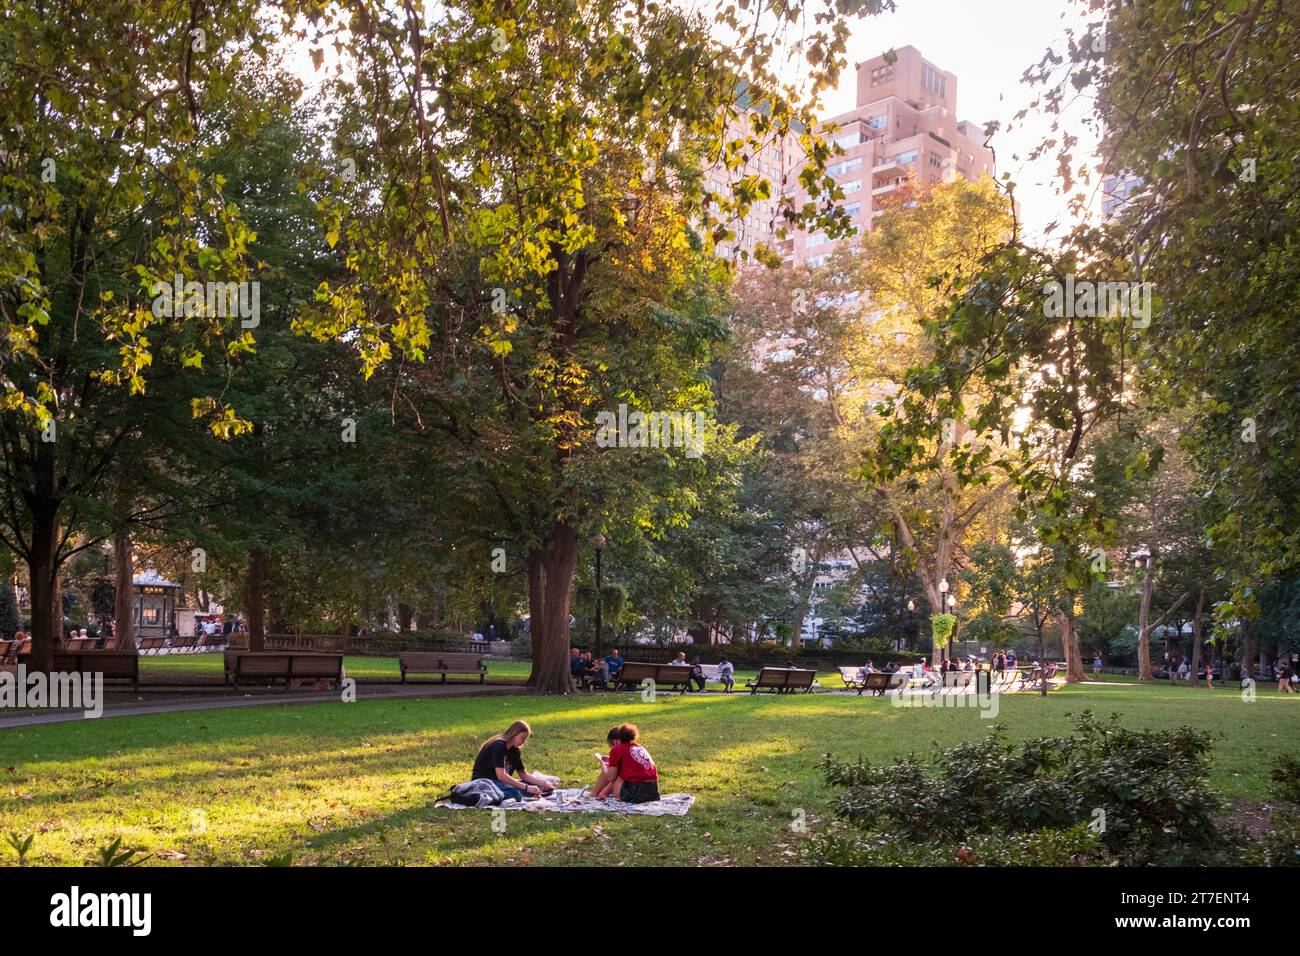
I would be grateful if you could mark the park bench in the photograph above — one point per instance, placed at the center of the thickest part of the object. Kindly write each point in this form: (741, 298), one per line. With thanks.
(146, 645)
(783, 680)
(206, 641)
(852, 677)
(633, 673)
(879, 683)
(442, 662)
(183, 643)
(287, 666)
(10, 651)
(80, 644)
(113, 665)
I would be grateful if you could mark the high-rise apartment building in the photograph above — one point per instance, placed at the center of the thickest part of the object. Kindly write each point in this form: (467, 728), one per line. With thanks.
(1117, 191)
(777, 159)
(903, 129)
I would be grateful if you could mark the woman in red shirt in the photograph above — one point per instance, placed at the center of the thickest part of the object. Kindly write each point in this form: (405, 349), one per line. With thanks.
(628, 773)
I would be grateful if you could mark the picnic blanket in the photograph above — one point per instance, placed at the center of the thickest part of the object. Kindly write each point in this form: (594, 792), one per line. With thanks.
(581, 801)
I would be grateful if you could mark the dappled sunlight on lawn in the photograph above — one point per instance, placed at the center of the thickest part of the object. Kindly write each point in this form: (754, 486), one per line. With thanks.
(342, 783)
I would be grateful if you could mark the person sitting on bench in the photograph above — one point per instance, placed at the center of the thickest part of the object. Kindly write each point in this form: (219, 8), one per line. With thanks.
(499, 757)
(615, 663)
(577, 667)
(697, 675)
(628, 773)
(726, 675)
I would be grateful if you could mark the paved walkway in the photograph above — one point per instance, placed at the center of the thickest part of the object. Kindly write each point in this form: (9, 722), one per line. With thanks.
(132, 704)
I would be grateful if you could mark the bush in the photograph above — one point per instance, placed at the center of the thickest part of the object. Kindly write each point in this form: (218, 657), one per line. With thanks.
(1281, 846)
(1073, 847)
(1286, 778)
(1144, 792)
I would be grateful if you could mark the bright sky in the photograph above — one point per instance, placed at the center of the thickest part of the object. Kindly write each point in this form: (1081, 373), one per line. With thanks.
(988, 44)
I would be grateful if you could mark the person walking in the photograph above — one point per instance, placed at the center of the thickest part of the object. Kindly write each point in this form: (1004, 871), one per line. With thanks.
(1282, 671)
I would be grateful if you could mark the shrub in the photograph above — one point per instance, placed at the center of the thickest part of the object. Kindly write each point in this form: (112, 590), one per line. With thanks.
(1073, 847)
(1144, 792)
(1281, 845)
(1286, 778)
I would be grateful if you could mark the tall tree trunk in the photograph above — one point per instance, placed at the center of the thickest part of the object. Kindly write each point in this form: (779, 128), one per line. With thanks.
(405, 614)
(806, 589)
(1196, 637)
(703, 613)
(1247, 652)
(1070, 643)
(560, 561)
(124, 599)
(1144, 616)
(42, 575)
(1042, 657)
(57, 601)
(536, 609)
(256, 600)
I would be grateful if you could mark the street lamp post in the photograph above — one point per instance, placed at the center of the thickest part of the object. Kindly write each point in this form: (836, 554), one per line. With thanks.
(911, 621)
(1142, 561)
(598, 542)
(945, 652)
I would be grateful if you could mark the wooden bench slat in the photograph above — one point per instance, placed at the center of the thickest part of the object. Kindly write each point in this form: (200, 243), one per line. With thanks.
(283, 665)
(443, 663)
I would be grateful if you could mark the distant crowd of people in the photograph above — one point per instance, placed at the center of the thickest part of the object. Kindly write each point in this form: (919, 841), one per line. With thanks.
(590, 672)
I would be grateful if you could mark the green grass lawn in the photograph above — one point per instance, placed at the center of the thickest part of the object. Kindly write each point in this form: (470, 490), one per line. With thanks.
(355, 783)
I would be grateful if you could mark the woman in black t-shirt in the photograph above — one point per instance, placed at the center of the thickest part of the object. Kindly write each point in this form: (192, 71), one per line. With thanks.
(499, 759)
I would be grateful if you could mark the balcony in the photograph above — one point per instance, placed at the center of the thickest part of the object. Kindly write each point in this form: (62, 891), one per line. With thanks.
(888, 167)
(886, 188)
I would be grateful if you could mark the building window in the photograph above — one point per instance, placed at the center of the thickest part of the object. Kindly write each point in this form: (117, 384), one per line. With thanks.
(882, 74)
(853, 208)
(936, 161)
(878, 122)
(904, 158)
(152, 616)
(934, 81)
(849, 140)
(848, 166)
(852, 186)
